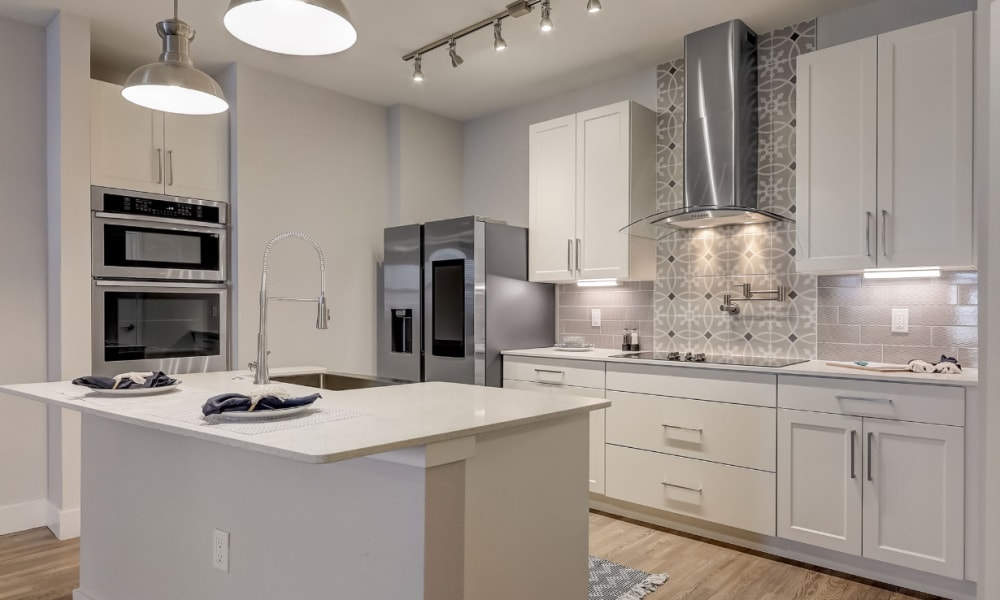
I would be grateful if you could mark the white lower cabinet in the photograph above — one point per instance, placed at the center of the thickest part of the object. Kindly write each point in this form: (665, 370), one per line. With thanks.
(732, 496)
(885, 489)
(576, 371)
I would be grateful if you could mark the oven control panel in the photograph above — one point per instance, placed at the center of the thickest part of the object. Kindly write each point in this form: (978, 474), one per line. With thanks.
(168, 209)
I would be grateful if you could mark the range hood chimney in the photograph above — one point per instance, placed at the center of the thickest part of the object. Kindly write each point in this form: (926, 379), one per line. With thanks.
(720, 133)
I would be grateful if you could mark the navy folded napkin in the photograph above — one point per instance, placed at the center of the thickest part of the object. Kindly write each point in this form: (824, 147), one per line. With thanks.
(97, 382)
(241, 403)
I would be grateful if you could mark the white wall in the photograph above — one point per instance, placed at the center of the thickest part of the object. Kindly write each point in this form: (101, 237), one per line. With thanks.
(495, 183)
(425, 166)
(316, 161)
(881, 16)
(989, 294)
(67, 72)
(22, 271)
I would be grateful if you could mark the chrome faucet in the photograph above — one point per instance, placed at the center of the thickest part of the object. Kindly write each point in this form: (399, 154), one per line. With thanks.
(322, 313)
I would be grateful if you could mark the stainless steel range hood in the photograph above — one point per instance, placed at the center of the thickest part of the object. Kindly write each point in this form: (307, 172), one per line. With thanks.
(720, 134)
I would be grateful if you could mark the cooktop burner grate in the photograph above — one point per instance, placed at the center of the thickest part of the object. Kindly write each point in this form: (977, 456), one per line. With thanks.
(688, 357)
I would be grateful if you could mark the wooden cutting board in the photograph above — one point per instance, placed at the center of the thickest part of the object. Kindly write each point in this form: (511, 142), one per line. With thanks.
(876, 367)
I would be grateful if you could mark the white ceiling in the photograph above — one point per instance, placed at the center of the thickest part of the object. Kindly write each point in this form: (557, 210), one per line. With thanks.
(626, 36)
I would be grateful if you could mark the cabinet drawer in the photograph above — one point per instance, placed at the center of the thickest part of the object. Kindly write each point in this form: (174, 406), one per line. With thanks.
(691, 382)
(732, 496)
(734, 434)
(553, 371)
(899, 401)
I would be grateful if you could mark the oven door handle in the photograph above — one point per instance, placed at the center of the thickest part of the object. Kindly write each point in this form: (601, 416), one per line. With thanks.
(115, 283)
(191, 225)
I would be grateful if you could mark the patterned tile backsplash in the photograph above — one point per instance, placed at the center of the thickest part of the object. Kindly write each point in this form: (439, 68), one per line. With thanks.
(830, 318)
(854, 316)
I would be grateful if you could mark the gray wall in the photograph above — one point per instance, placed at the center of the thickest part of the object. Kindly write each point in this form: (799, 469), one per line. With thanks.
(496, 146)
(425, 166)
(22, 267)
(882, 16)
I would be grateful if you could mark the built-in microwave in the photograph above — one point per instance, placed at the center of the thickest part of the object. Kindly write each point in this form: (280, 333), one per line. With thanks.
(174, 327)
(144, 236)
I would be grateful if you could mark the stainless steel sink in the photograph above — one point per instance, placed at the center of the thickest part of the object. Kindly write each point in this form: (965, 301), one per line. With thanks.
(336, 381)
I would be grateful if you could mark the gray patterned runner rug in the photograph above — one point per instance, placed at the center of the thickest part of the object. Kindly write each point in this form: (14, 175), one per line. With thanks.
(611, 581)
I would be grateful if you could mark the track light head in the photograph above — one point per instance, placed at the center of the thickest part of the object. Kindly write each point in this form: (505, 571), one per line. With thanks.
(498, 42)
(594, 6)
(546, 23)
(456, 60)
(418, 73)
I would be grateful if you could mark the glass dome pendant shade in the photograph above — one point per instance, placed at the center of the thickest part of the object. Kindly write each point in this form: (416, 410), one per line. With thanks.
(172, 84)
(296, 27)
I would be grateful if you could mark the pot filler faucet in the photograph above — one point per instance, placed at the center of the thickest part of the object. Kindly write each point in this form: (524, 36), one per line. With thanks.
(322, 313)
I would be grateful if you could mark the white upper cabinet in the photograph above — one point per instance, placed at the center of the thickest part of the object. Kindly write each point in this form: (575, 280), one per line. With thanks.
(135, 148)
(885, 151)
(590, 175)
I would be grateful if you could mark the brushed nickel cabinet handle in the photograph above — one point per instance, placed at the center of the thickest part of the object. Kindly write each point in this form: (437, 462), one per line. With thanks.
(569, 255)
(550, 371)
(681, 487)
(579, 263)
(159, 165)
(669, 426)
(854, 437)
(170, 159)
(868, 234)
(871, 438)
(863, 399)
(885, 243)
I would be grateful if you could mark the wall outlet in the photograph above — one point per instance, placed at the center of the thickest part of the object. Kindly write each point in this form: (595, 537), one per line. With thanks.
(220, 550)
(595, 317)
(900, 320)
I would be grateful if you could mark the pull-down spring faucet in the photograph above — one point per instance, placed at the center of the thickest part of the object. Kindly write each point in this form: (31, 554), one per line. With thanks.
(322, 313)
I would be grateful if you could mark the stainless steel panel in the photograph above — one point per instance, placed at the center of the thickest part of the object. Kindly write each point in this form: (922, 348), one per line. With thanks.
(173, 366)
(446, 241)
(401, 290)
(720, 134)
(99, 268)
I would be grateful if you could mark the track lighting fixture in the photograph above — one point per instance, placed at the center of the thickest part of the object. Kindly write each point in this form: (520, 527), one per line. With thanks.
(172, 84)
(546, 23)
(498, 42)
(517, 8)
(418, 73)
(456, 60)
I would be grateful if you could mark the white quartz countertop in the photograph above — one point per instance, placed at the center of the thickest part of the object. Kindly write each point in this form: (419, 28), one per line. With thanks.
(386, 418)
(813, 368)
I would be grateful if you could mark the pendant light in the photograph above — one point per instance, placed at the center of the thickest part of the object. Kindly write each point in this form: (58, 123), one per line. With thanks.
(172, 84)
(297, 27)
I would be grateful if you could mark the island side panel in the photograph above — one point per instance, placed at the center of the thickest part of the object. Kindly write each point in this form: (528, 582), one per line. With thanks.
(151, 500)
(527, 512)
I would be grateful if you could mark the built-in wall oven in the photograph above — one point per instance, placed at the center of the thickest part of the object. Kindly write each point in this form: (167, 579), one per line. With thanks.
(159, 291)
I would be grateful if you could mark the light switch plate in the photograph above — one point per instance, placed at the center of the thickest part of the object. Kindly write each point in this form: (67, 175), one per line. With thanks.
(900, 320)
(595, 317)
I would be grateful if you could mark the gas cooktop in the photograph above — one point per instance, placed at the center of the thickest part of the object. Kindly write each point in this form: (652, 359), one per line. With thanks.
(688, 357)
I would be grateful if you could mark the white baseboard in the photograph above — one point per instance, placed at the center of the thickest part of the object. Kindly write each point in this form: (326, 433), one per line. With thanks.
(79, 594)
(65, 524)
(19, 517)
(861, 567)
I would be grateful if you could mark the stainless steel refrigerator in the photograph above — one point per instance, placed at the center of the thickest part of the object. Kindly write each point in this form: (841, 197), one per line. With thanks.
(453, 295)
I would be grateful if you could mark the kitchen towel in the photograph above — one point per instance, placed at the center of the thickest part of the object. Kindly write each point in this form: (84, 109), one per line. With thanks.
(126, 381)
(234, 402)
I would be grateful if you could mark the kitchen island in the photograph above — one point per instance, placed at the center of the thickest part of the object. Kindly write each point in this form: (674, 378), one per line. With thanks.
(430, 490)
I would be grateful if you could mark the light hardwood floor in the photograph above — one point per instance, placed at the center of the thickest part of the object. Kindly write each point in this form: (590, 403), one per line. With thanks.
(34, 565)
(704, 570)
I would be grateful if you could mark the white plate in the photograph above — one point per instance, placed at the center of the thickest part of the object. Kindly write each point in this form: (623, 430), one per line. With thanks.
(575, 348)
(135, 391)
(259, 415)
